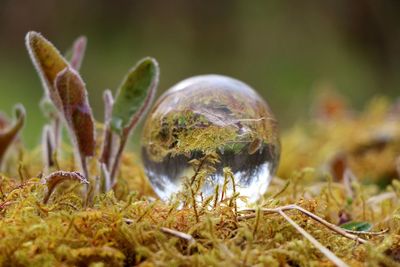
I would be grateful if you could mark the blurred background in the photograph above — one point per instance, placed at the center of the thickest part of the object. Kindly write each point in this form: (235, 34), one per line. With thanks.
(285, 49)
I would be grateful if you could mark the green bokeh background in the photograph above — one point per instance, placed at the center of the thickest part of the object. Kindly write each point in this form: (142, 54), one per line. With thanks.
(284, 49)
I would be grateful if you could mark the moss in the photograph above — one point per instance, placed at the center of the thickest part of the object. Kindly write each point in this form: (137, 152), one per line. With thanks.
(125, 227)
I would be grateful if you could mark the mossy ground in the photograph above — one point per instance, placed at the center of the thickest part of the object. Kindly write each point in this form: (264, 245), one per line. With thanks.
(124, 228)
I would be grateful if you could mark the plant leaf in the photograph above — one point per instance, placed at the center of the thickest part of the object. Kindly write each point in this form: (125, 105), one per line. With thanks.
(105, 178)
(8, 134)
(78, 52)
(76, 110)
(135, 95)
(48, 147)
(357, 226)
(107, 150)
(47, 60)
(56, 178)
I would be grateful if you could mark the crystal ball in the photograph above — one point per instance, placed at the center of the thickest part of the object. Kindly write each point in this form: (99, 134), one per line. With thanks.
(211, 115)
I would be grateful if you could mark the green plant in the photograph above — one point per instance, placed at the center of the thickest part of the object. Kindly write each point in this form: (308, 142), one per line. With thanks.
(307, 217)
(8, 133)
(66, 101)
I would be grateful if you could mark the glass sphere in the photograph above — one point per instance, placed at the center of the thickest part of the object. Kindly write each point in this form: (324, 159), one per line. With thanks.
(211, 115)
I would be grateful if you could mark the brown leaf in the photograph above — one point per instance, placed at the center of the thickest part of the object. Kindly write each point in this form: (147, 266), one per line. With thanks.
(8, 134)
(48, 146)
(76, 110)
(56, 178)
(78, 52)
(47, 60)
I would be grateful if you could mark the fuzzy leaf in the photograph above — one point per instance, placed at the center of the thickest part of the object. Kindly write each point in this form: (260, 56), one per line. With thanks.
(56, 178)
(76, 110)
(357, 226)
(48, 146)
(8, 134)
(47, 60)
(108, 106)
(135, 95)
(78, 52)
(107, 150)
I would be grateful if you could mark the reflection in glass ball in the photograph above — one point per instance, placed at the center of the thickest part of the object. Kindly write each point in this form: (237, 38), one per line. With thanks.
(211, 115)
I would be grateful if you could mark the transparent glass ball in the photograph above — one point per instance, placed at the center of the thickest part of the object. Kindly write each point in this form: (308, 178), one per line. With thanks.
(211, 115)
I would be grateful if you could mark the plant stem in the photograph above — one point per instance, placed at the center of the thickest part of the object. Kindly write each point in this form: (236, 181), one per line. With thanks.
(107, 151)
(86, 175)
(117, 159)
(107, 147)
(178, 234)
(57, 134)
(327, 224)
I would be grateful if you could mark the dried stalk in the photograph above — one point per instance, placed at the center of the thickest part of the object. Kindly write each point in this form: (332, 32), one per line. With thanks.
(337, 261)
(178, 234)
(327, 224)
(189, 238)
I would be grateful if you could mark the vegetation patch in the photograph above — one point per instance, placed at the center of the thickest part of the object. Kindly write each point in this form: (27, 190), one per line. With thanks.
(86, 201)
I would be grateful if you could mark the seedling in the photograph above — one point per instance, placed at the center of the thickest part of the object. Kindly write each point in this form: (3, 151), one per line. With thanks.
(65, 90)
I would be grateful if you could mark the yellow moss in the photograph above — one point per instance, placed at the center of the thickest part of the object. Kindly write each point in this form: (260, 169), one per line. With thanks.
(124, 228)
(206, 140)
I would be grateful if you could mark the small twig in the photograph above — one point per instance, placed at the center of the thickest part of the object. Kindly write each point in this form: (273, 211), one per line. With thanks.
(178, 234)
(336, 260)
(367, 232)
(329, 225)
(189, 238)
